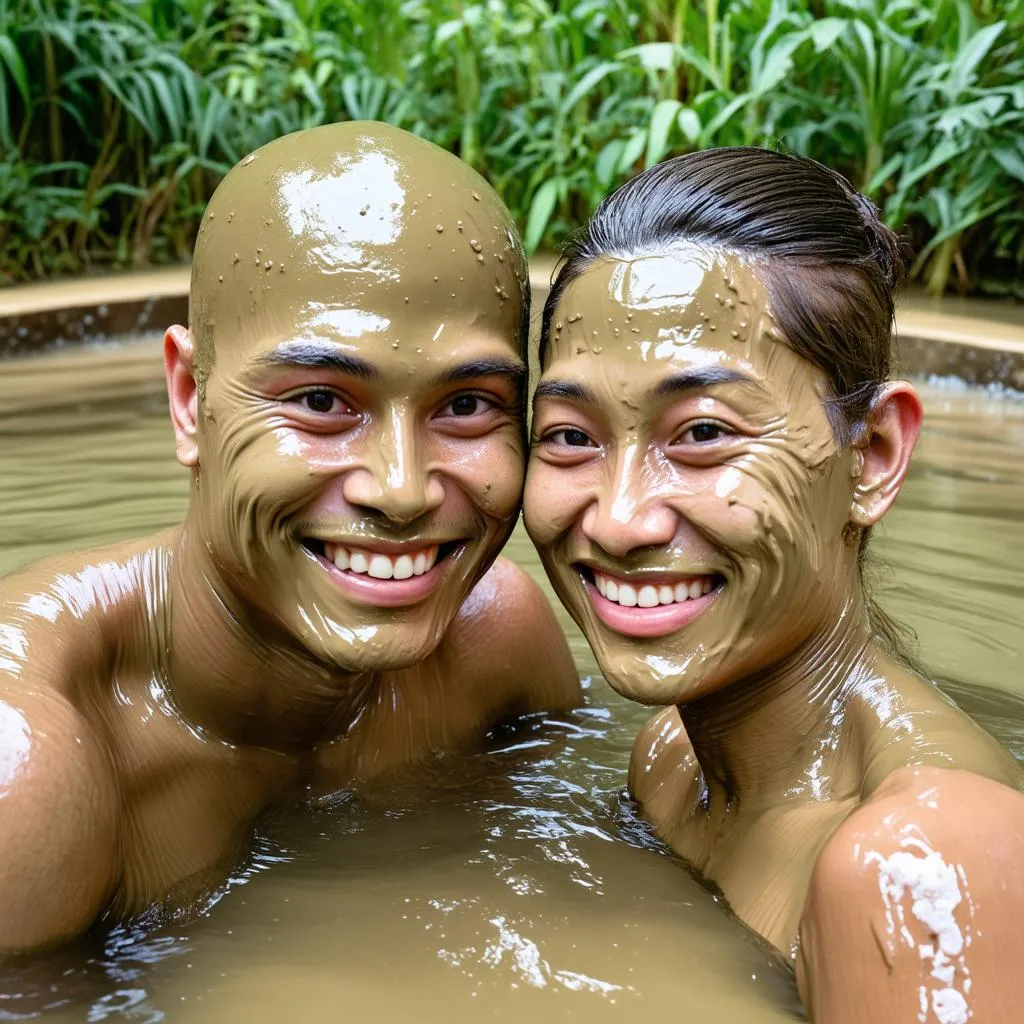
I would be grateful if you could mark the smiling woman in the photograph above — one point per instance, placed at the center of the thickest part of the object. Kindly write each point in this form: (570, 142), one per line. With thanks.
(714, 436)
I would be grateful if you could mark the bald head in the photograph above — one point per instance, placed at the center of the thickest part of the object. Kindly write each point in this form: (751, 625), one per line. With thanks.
(358, 229)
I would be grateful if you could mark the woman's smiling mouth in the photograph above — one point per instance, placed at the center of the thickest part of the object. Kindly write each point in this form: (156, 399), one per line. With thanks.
(401, 575)
(645, 606)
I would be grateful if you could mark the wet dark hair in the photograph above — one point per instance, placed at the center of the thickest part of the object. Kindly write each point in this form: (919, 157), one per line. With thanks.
(830, 265)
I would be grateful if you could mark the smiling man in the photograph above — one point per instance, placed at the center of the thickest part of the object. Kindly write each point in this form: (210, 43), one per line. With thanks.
(349, 402)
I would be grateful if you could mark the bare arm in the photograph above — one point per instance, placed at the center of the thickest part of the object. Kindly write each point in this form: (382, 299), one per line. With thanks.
(915, 905)
(58, 813)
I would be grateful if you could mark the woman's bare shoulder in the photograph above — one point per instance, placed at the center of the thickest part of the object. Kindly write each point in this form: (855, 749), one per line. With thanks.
(914, 903)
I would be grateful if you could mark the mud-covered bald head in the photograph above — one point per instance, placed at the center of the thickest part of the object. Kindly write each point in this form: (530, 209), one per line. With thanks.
(355, 230)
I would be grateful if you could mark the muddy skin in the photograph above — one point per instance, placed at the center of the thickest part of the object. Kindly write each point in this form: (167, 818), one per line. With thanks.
(845, 808)
(350, 389)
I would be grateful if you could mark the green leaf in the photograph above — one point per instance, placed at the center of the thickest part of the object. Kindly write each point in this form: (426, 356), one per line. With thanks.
(541, 208)
(689, 124)
(1010, 160)
(884, 173)
(607, 162)
(587, 82)
(662, 120)
(653, 56)
(15, 65)
(970, 56)
(634, 146)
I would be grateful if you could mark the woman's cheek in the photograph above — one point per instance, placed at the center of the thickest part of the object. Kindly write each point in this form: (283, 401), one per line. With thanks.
(551, 502)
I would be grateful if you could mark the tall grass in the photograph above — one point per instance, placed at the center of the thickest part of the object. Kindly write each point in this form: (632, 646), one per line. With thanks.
(118, 117)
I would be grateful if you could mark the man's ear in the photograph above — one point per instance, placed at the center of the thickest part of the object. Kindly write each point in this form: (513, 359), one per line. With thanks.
(182, 392)
(885, 447)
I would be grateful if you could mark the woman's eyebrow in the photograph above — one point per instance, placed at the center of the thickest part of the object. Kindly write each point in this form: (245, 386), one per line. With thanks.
(564, 389)
(704, 378)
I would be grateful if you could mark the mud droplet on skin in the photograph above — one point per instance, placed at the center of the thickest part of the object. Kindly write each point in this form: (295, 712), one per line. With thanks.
(236, 259)
(574, 317)
(439, 228)
(407, 299)
(635, 330)
(596, 350)
(268, 264)
(458, 224)
(231, 216)
(394, 344)
(477, 198)
(249, 159)
(475, 245)
(480, 259)
(221, 278)
(735, 334)
(212, 216)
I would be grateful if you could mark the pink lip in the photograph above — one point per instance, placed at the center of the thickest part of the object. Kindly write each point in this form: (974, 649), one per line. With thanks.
(646, 622)
(385, 593)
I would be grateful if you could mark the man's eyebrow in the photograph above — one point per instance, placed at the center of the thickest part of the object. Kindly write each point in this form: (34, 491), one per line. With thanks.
(566, 389)
(513, 369)
(703, 378)
(312, 356)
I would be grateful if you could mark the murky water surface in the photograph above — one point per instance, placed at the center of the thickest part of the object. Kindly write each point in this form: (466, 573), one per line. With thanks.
(514, 883)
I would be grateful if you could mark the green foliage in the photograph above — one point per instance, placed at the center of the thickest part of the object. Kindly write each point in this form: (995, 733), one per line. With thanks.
(118, 117)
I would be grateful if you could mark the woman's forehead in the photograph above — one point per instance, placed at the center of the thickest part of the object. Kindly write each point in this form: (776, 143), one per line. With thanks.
(690, 305)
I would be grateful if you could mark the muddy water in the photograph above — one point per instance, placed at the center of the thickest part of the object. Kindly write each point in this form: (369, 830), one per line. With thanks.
(515, 882)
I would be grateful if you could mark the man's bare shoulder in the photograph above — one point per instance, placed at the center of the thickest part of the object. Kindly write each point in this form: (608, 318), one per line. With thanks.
(508, 640)
(917, 896)
(59, 858)
(60, 615)
(662, 768)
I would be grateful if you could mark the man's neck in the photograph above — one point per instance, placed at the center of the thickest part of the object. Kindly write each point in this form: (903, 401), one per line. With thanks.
(236, 675)
(776, 735)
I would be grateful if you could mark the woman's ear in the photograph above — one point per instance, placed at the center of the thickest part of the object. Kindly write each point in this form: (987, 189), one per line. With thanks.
(884, 449)
(182, 393)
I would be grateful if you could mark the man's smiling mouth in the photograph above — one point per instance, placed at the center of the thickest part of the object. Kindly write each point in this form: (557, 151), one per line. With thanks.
(387, 575)
(649, 605)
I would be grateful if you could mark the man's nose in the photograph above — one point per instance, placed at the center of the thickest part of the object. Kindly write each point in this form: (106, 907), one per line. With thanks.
(394, 479)
(627, 512)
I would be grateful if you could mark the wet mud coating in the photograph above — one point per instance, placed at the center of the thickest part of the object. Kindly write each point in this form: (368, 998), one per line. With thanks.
(513, 883)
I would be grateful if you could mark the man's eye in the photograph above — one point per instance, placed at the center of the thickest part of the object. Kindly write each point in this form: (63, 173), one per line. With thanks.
(464, 406)
(320, 401)
(703, 433)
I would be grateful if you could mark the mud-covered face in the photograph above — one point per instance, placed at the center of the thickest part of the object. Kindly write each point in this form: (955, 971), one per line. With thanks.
(684, 489)
(361, 451)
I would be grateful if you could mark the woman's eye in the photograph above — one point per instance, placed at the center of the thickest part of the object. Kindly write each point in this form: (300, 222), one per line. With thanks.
(569, 436)
(703, 433)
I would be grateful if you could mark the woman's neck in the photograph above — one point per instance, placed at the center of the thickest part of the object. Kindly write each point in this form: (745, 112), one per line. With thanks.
(775, 735)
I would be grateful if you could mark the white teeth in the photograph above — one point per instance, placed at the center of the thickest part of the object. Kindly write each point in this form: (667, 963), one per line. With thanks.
(381, 567)
(650, 595)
